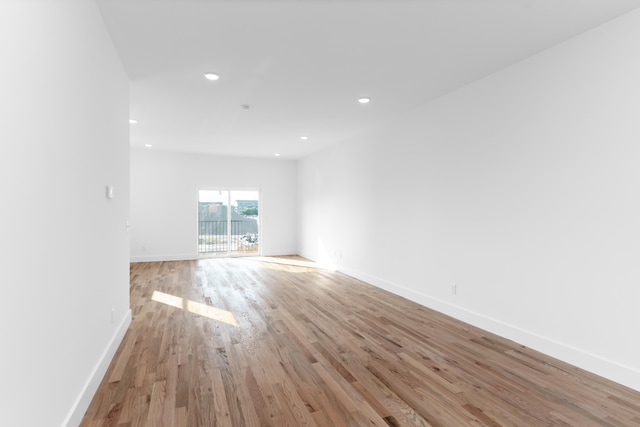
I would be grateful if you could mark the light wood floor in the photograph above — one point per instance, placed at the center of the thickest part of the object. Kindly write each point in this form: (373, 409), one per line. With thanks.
(246, 342)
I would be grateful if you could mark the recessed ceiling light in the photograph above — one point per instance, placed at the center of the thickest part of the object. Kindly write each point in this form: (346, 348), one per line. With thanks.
(277, 154)
(304, 137)
(148, 145)
(211, 76)
(246, 107)
(133, 121)
(364, 100)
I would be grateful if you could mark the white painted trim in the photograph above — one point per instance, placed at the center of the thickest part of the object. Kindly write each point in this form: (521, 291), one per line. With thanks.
(154, 258)
(84, 399)
(192, 257)
(598, 365)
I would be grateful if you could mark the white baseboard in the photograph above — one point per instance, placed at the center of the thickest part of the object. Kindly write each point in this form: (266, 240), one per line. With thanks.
(157, 258)
(84, 399)
(598, 365)
(190, 257)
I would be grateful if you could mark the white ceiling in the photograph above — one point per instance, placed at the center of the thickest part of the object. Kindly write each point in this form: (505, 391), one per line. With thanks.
(301, 65)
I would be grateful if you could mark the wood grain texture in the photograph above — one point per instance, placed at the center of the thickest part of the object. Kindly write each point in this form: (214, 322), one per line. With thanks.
(278, 342)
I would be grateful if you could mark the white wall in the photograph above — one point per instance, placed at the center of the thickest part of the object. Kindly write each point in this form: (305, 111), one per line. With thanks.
(63, 245)
(164, 200)
(522, 188)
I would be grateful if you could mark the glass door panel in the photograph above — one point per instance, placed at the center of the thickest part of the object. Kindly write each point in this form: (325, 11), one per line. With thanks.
(213, 219)
(244, 222)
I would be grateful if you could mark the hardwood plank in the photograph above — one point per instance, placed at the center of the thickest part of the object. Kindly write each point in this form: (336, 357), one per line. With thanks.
(306, 346)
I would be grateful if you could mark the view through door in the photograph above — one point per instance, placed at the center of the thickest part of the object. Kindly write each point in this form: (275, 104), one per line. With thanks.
(228, 222)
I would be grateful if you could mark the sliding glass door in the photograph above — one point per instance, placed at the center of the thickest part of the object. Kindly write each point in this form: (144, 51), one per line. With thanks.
(228, 222)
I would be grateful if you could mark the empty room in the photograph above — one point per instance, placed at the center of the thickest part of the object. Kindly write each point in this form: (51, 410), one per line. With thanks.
(320, 213)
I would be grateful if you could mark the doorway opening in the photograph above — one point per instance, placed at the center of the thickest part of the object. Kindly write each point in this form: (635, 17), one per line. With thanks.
(228, 222)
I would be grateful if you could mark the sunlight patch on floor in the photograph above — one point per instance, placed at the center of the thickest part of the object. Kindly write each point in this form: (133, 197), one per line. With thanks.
(196, 308)
(288, 264)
